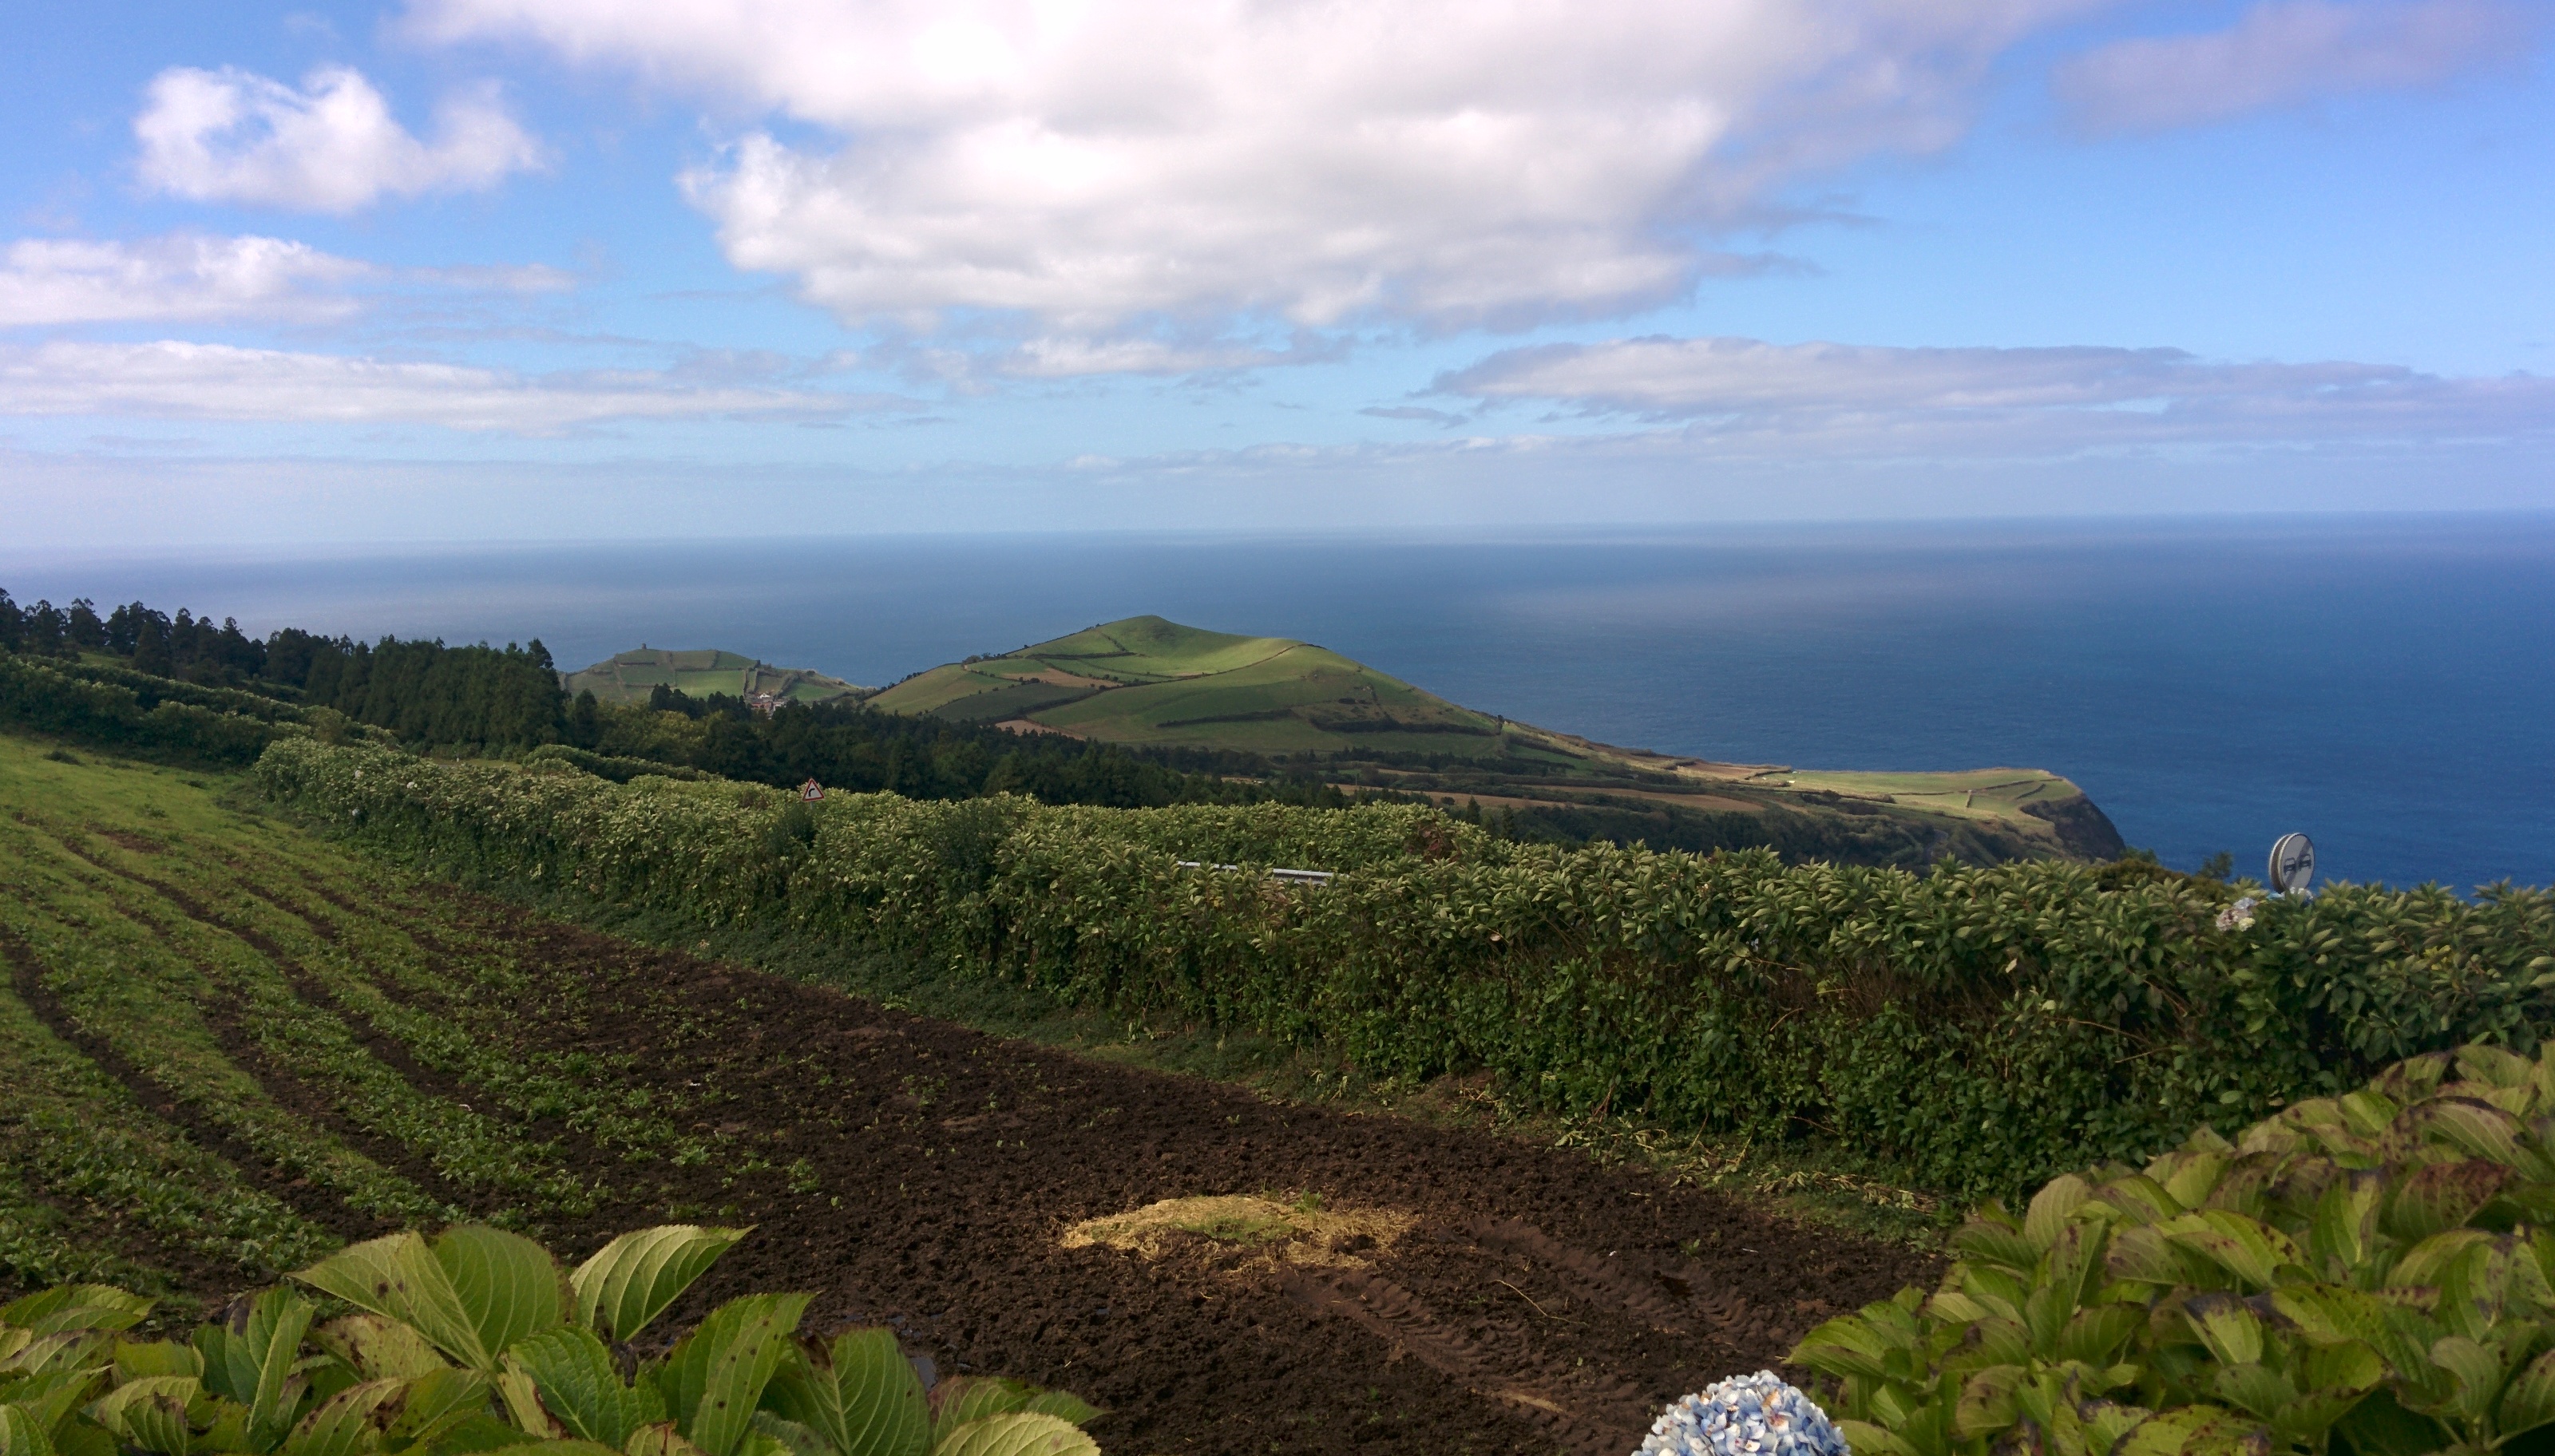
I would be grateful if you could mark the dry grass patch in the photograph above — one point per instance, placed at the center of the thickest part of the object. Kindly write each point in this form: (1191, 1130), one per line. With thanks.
(1267, 1231)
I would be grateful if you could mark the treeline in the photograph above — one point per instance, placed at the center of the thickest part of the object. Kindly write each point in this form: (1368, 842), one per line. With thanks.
(852, 747)
(428, 694)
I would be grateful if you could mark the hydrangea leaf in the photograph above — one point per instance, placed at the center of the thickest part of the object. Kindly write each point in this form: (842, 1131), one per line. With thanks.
(630, 1281)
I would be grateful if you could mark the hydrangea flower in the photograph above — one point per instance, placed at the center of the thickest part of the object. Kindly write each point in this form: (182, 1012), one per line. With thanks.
(1744, 1415)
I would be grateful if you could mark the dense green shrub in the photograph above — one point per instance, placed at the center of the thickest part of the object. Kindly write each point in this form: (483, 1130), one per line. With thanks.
(1985, 1028)
(479, 1341)
(2367, 1273)
(152, 690)
(607, 766)
(42, 696)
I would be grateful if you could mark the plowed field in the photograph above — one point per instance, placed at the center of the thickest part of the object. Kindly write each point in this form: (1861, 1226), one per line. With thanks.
(239, 1046)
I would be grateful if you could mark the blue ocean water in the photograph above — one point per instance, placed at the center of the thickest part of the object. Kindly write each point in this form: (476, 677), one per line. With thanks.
(2385, 685)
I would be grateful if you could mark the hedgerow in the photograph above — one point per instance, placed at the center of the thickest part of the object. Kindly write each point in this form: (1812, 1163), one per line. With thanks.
(47, 700)
(1980, 1028)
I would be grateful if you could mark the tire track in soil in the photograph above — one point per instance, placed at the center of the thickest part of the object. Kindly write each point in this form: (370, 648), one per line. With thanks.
(284, 1086)
(1504, 1372)
(1661, 1300)
(948, 1165)
(26, 970)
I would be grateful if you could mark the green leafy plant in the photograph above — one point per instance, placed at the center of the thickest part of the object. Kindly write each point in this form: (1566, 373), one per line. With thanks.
(2366, 1273)
(479, 1340)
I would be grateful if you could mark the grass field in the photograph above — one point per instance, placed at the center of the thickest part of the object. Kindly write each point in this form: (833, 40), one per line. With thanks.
(232, 1044)
(1148, 681)
(630, 676)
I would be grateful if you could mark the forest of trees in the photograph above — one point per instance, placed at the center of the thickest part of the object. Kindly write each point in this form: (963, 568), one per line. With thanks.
(428, 694)
(480, 698)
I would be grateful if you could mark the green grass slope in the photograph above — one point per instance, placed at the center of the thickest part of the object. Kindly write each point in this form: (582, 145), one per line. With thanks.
(630, 676)
(1153, 681)
(1149, 681)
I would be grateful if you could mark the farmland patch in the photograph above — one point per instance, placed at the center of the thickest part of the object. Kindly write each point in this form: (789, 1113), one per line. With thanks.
(249, 1047)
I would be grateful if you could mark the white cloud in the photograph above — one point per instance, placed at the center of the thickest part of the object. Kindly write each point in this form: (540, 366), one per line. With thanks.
(196, 278)
(1438, 163)
(175, 380)
(2286, 51)
(183, 276)
(333, 146)
(1819, 398)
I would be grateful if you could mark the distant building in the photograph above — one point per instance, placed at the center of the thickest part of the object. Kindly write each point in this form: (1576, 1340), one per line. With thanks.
(764, 703)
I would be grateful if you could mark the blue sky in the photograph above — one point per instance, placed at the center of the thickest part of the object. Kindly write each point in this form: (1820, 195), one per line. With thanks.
(545, 269)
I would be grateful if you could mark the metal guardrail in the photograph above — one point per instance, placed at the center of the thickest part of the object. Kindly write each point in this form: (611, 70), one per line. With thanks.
(1292, 877)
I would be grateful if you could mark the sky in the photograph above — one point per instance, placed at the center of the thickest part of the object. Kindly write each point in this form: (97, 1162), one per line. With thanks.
(486, 270)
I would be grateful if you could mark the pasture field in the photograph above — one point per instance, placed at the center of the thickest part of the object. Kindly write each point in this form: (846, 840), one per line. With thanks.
(1146, 680)
(1152, 682)
(232, 1044)
(629, 677)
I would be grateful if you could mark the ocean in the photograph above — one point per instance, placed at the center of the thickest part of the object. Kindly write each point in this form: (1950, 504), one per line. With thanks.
(2384, 684)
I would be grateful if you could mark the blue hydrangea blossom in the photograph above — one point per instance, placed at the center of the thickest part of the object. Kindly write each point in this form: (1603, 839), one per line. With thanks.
(1744, 1415)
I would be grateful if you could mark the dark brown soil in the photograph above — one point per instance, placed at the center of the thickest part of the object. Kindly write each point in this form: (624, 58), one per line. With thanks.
(1541, 1302)
(917, 1175)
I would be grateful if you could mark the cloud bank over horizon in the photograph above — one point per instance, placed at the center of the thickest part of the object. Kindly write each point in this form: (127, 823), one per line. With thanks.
(1968, 402)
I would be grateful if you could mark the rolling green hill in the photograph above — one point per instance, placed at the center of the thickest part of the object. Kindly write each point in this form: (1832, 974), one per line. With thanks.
(1152, 681)
(1149, 681)
(630, 676)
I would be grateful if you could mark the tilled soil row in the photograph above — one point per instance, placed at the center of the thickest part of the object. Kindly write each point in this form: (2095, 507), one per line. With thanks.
(1539, 1301)
(192, 1270)
(283, 1085)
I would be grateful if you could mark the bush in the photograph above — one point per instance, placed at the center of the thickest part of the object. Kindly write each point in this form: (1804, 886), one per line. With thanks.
(1981, 1028)
(42, 698)
(479, 1341)
(2367, 1273)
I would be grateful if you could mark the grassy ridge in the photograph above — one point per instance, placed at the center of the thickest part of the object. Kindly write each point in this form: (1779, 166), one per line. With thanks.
(1151, 682)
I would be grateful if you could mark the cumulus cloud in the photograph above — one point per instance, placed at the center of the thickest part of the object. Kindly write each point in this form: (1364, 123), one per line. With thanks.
(328, 146)
(1815, 396)
(184, 276)
(2285, 51)
(1442, 164)
(175, 380)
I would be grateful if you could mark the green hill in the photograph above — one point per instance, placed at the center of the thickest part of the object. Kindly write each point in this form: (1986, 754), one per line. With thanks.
(630, 676)
(1149, 681)
(1153, 681)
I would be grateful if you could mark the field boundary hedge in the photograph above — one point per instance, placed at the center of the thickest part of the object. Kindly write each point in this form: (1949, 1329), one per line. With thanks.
(67, 703)
(1982, 1027)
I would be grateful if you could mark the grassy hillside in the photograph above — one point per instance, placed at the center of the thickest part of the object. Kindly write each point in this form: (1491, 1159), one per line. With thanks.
(1155, 683)
(630, 676)
(1149, 680)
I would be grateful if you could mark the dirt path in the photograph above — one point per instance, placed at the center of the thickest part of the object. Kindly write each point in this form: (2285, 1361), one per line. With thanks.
(1521, 1299)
